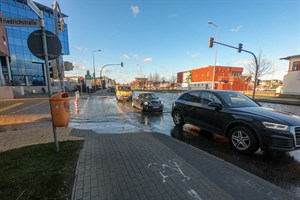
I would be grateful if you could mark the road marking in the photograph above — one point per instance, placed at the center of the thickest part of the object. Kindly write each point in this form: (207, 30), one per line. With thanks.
(84, 106)
(10, 107)
(170, 169)
(29, 107)
(194, 194)
(119, 109)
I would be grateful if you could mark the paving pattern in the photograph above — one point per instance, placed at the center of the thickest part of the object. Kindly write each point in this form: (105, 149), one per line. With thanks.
(153, 166)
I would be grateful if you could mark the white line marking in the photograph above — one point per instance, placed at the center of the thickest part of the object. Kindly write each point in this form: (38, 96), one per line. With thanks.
(194, 194)
(29, 107)
(170, 169)
(84, 106)
(10, 107)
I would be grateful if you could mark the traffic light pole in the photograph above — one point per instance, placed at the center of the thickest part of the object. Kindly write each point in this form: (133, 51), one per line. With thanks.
(256, 63)
(39, 13)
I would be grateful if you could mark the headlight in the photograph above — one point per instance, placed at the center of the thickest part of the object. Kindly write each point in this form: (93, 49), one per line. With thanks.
(119, 94)
(146, 103)
(275, 126)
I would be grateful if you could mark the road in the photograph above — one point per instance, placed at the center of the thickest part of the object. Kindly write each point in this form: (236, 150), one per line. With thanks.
(104, 114)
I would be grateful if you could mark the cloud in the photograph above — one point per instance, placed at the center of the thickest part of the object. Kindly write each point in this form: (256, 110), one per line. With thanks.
(135, 10)
(172, 16)
(79, 67)
(195, 55)
(81, 48)
(147, 60)
(242, 63)
(125, 56)
(236, 29)
(136, 56)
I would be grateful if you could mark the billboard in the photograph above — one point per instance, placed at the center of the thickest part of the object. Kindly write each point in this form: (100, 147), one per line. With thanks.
(186, 79)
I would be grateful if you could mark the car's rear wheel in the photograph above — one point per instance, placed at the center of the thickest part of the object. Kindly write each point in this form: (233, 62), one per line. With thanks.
(242, 139)
(178, 118)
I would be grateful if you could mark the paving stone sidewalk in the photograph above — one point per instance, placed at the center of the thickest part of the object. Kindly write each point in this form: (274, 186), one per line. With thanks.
(16, 139)
(156, 166)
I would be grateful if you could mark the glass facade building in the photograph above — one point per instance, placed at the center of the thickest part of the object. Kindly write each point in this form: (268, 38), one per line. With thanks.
(25, 68)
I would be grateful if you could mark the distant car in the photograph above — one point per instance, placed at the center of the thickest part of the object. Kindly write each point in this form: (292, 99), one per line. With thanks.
(147, 101)
(111, 89)
(231, 114)
(123, 92)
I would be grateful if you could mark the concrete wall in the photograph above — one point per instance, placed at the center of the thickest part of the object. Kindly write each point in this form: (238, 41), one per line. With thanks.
(22, 91)
(6, 92)
(291, 83)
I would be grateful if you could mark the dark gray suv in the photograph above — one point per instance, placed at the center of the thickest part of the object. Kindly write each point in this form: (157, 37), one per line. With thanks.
(231, 114)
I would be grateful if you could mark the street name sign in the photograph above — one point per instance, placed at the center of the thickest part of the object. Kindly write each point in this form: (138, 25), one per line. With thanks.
(19, 22)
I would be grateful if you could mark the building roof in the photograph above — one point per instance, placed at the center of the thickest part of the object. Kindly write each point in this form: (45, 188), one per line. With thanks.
(289, 57)
(41, 6)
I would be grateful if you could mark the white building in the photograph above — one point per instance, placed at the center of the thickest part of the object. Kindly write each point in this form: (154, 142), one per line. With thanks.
(291, 81)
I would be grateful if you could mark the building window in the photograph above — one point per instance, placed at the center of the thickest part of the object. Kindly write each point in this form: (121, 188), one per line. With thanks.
(296, 66)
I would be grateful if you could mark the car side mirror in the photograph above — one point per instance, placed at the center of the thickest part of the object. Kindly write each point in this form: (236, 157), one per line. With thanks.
(215, 105)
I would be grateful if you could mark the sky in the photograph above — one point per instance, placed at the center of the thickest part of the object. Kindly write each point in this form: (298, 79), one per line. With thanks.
(170, 36)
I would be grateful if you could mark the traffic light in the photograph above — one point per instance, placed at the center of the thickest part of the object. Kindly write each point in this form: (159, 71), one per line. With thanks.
(122, 64)
(51, 72)
(61, 25)
(211, 42)
(240, 48)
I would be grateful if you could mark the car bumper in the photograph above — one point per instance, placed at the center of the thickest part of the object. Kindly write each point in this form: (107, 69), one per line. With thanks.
(124, 98)
(153, 108)
(281, 140)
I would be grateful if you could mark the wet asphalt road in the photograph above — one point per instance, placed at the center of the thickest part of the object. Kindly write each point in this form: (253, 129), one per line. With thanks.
(104, 114)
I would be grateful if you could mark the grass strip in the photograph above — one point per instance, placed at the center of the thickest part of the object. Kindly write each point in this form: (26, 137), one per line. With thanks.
(38, 172)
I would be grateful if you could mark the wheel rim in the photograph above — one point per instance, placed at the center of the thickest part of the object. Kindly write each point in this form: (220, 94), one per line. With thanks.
(240, 140)
(177, 118)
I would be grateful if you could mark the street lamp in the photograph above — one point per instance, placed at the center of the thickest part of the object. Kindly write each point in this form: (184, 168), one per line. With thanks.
(216, 53)
(103, 68)
(94, 68)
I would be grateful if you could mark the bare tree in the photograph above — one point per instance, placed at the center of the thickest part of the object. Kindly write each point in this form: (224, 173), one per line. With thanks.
(150, 77)
(156, 79)
(264, 67)
(173, 80)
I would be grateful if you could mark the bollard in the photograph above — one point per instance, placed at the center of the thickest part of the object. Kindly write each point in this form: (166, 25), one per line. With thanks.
(76, 101)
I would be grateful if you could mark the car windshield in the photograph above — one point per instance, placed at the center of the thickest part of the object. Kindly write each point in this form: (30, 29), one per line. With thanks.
(148, 96)
(124, 88)
(236, 100)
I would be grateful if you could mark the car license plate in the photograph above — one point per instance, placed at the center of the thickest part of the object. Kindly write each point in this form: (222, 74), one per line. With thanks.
(155, 107)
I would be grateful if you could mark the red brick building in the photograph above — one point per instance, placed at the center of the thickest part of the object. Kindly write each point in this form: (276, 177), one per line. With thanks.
(225, 78)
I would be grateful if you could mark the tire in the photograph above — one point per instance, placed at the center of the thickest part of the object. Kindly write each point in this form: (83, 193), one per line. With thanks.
(243, 140)
(178, 118)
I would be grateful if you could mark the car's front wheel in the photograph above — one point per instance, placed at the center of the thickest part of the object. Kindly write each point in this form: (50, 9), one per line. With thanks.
(178, 118)
(243, 140)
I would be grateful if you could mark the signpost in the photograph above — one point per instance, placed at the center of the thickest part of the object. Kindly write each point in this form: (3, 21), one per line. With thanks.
(88, 82)
(38, 43)
(39, 13)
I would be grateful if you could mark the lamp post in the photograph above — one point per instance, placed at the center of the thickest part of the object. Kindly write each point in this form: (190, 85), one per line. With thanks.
(216, 53)
(94, 68)
(103, 68)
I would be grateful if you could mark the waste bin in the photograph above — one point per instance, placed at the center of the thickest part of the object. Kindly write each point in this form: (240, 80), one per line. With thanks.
(60, 109)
